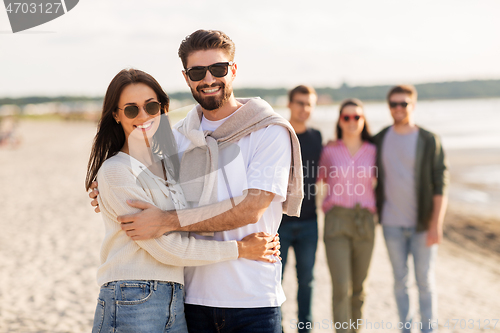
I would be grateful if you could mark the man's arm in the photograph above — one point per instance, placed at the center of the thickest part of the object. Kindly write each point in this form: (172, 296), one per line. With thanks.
(435, 232)
(152, 222)
(440, 180)
(440, 174)
(267, 175)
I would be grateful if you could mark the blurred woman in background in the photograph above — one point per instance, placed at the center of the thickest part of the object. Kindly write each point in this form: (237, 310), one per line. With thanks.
(347, 168)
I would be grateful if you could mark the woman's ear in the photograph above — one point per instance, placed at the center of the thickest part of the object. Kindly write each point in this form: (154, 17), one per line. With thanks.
(115, 116)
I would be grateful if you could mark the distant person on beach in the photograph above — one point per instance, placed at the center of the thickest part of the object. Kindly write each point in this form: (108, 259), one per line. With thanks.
(8, 134)
(301, 233)
(142, 281)
(411, 200)
(254, 187)
(347, 167)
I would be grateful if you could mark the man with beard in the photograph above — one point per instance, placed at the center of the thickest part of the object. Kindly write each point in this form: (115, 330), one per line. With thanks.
(240, 170)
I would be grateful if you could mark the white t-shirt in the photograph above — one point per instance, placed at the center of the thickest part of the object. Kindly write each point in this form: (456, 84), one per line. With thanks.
(264, 157)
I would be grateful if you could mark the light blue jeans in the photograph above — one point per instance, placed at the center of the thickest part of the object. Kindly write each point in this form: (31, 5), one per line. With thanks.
(140, 306)
(400, 243)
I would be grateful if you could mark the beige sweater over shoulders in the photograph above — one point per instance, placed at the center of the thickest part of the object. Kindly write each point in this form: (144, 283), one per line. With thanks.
(120, 178)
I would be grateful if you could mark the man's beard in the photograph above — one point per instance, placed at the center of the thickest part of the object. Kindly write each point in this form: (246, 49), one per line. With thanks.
(212, 102)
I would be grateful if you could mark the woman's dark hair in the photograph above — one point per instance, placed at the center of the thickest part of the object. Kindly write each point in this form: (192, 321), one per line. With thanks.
(365, 134)
(110, 137)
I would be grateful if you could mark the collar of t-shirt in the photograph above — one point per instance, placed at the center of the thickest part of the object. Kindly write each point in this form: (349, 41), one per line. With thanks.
(412, 133)
(212, 125)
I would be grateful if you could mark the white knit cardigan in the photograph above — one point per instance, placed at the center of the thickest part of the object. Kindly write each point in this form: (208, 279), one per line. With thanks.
(122, 177)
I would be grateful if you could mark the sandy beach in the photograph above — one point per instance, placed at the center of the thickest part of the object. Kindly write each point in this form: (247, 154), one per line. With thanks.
(50, 240)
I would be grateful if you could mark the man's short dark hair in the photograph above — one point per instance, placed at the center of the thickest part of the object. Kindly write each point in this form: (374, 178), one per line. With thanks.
(302, 89)
(206, 40)
(403, 89)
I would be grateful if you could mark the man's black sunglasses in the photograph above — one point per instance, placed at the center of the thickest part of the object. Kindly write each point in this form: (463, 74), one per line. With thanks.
(395, 104)
(218, 69)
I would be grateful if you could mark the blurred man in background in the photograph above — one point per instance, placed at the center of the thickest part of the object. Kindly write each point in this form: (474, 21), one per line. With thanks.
(411, 203)
(302, 232)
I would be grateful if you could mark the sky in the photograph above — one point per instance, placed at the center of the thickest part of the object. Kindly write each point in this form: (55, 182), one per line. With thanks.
(278, 43)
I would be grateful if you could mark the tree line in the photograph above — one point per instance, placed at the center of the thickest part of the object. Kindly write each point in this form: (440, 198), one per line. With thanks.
(426, 91)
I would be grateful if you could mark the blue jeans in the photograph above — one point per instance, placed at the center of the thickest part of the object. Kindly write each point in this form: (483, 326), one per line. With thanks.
(303, 236)
(400, 243)
(140, 306)
(205, 319)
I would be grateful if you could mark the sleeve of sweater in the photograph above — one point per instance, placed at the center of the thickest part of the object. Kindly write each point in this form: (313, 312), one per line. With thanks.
(117, 183)
(440, 174)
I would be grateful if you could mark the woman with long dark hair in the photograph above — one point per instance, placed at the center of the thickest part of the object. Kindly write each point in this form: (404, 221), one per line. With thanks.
(134, 157)
(347, 167)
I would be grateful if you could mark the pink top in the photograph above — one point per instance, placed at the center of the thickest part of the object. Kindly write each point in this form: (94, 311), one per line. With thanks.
(349, 179)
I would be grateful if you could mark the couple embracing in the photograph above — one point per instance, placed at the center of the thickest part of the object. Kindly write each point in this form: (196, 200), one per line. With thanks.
(190, 213)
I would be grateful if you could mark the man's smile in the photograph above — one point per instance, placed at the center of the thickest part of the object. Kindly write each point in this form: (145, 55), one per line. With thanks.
(211, 91)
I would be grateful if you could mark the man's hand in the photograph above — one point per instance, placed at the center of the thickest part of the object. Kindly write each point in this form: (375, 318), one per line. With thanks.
(228, 214)
(435, 232)
(434, 235)
(151, 222)
(93, 195)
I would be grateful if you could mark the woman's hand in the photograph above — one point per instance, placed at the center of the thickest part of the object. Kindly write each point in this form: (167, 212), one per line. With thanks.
(258, 246)
(93, 195)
